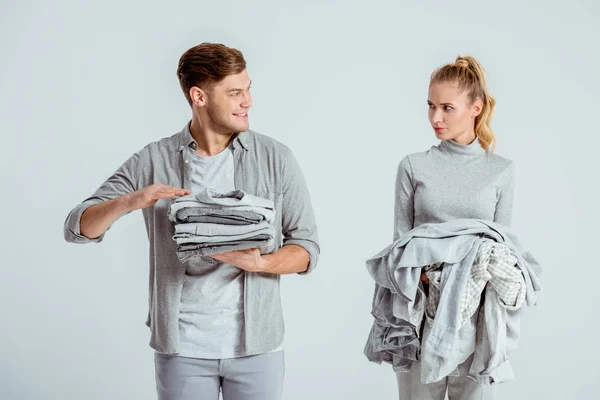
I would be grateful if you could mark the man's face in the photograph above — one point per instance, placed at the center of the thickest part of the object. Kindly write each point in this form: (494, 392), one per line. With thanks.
(228, 102)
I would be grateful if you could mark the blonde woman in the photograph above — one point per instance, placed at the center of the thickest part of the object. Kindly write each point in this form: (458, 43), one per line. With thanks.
(459, 178)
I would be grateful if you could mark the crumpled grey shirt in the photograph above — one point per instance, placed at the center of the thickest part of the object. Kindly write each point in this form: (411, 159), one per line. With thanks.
(397, 269)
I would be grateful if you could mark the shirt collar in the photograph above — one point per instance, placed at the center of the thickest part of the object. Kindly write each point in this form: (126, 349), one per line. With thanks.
(187, 140)
(452, 147)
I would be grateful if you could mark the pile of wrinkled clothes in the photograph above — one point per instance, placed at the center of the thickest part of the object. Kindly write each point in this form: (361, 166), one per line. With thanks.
(480, 276)
(209, 222)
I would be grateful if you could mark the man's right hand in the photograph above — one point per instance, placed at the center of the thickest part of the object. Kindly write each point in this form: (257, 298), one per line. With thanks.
(149, 195)
(98, 218)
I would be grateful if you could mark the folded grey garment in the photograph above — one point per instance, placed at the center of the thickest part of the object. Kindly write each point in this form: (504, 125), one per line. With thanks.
(234, 198)
(258, 240)
(174, 208)
(220, 230)
(183, 238)
(195, 214)
(216, 219)
(264, 247)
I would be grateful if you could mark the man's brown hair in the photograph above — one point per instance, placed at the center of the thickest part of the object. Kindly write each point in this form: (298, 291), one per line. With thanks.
(206, 64)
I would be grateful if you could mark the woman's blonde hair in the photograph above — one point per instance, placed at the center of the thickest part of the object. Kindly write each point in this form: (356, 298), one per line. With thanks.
(470, 76)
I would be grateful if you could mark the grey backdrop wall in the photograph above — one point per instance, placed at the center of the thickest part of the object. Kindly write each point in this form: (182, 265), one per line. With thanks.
(84, 85)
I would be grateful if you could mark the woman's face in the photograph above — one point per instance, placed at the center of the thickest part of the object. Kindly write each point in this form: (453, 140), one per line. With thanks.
(451, 114)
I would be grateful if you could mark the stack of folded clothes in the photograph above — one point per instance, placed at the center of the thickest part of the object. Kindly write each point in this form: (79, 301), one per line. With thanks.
(209, 222)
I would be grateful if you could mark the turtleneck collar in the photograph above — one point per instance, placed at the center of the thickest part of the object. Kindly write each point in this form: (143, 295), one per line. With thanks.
(452, 147)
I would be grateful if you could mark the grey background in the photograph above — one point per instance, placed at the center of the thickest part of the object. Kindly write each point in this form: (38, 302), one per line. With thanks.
(344, 84)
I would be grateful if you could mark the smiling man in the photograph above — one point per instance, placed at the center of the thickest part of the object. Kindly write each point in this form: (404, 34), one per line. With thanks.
(216, 322)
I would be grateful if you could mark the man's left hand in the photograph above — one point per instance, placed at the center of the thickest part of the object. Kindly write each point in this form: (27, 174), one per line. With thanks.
(248, 260)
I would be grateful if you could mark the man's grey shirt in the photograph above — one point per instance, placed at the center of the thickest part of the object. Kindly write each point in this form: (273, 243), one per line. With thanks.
(263, 167)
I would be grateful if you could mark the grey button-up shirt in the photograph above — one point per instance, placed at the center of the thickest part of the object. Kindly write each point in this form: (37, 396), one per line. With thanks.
(264, 168)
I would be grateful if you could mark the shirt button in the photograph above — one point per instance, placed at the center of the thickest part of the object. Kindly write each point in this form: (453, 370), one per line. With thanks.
(187, 161)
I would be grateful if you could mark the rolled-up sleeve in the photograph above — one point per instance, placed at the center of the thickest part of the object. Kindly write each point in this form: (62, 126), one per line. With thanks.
(298, 219)
(124, 180)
